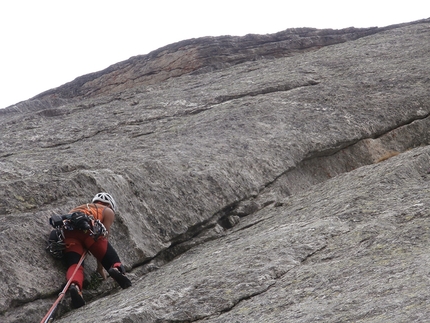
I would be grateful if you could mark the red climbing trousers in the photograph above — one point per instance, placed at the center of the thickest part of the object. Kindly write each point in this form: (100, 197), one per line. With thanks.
(77, 241)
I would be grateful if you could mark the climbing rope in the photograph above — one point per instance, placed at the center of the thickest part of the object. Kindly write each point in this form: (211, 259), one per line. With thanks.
(49, 317)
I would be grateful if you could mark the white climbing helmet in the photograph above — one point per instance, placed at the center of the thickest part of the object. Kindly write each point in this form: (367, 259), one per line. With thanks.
(105, 198)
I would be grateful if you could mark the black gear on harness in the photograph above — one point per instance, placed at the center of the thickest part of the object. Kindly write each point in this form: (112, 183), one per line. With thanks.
(79, 221)
(56, 244)
(98, 230)
(74, 221)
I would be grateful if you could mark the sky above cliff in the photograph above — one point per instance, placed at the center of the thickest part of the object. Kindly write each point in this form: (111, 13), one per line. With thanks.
(47, 43)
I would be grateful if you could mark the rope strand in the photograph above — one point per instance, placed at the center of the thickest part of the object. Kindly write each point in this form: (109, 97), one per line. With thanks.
(48, 317)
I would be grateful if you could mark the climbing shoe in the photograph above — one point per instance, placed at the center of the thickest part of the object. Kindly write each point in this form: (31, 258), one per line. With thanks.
(120, 278)
(76, 295)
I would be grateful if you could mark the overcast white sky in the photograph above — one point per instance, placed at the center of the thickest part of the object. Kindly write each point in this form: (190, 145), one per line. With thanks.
(46, 43)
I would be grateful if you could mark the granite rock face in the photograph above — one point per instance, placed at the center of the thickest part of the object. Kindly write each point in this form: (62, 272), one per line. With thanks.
(270, 178)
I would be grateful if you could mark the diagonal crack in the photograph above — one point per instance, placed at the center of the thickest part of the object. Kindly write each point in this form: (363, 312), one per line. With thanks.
(267, 90)
(275, 276)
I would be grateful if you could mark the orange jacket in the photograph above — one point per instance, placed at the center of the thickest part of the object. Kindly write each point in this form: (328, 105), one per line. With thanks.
(92, 210)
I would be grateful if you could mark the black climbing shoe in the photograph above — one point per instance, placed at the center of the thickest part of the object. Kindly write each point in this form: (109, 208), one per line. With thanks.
(76, 295)
(120, 278)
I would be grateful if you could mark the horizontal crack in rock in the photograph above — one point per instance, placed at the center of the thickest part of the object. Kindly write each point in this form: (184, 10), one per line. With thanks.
(271, 89)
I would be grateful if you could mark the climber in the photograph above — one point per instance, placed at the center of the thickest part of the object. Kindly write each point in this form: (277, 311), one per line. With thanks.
(89, 231)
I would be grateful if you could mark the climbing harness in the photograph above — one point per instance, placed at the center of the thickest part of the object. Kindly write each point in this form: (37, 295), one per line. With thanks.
(77, 221)
(49, 317)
